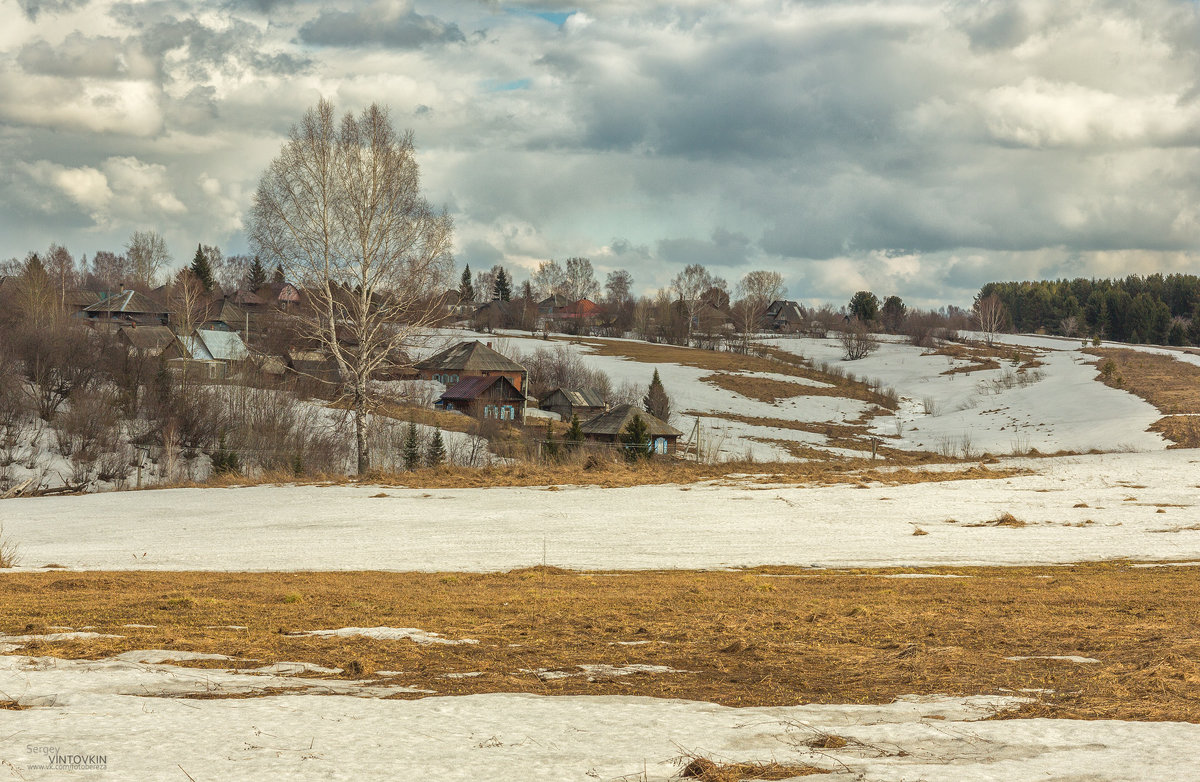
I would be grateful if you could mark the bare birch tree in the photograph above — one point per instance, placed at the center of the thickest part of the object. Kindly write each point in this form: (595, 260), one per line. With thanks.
(147, 254)
(756, 291)
(688, 285)
(341, 211)
(991, 316)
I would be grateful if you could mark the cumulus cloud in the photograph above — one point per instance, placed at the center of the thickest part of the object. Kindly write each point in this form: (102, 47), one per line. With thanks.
(921, 148)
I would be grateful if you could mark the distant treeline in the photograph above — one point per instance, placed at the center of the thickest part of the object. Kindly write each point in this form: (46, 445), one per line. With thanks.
(1153, 309)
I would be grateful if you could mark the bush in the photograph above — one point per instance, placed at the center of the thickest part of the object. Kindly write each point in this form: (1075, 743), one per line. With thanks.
(858, 342)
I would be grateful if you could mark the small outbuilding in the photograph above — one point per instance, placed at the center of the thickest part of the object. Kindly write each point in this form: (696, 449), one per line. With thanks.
(583, 402)
(607, 428)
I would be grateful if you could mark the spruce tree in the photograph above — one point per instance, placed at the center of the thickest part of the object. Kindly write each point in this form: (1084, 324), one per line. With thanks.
(502, 287)
(257, 276)
(278, 274)
(202, 270)
(435, 455)
(636, 439)
(466, 288)
(549, 447)
(575, 433)
(412, 448)
(657, 403)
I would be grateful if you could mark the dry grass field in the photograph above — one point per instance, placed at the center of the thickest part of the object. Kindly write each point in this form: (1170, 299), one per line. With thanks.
(757, 637)
(1171, 385)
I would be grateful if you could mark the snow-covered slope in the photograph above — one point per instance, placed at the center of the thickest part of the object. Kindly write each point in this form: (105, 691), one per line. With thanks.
(1076, 508)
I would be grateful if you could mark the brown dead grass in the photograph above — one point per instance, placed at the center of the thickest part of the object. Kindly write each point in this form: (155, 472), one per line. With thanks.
(1171, 385)
(775, 361)
(705, 769)
(612, 473)
(983, 356)
(768, 636)
(765, 389)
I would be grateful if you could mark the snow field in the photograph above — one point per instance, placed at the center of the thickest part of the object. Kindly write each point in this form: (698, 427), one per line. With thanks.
(1140, 506)
(134, 715)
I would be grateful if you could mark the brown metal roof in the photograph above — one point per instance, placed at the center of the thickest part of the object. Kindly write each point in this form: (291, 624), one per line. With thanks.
(470, 356)
(473, 387)
(614, 422)
(149, 338)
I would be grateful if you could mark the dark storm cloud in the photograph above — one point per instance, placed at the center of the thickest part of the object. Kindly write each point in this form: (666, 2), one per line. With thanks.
(723, 249)
(79, 55)
(372, 26)
(33, 8)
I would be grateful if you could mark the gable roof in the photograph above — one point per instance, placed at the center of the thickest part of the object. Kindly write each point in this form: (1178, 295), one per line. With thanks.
(470, 356)
(785, 310)
(578, 397)
(614, 422)
(209, 344)
(473, 387)
(149, 338)
(226, 312)
(128, 302)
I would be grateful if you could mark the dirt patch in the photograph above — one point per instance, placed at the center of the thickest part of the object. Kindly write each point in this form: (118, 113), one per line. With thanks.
(1171, 385)
(767, 636)
(764, 389)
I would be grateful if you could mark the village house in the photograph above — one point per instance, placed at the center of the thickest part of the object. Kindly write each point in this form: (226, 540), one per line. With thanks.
(146, 340)
(128, 307)
(471, 359)
(584, 402)
(485, 397)
(607, 428)
(783, 315)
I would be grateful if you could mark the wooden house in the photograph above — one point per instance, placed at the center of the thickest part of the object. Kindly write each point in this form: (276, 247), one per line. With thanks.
(494, 397)
(583, 402)
(608, 427)
(130, 307)
(471, 359)
(146, 340)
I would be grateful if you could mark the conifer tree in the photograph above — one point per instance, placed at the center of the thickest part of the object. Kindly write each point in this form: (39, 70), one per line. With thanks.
(657, 403)
(278, 277)
(549, 447)
(257, 276)
(636, 439)
(435, 455)
(575, 433)
(466, 288)
(202, 269)
(412, 448)
(502, 287)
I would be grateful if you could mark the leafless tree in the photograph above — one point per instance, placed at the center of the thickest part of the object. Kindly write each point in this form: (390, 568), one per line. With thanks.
(581, 280)
(549, 279)
(186, 302)
(341, 210)
(147, 253)
(688, 286)
(990, 314)
(755, 293)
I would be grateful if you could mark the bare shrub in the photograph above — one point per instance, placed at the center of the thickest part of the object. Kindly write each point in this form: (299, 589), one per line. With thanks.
(857, 342)
(930, 405)
(8, 550)
(561, 367)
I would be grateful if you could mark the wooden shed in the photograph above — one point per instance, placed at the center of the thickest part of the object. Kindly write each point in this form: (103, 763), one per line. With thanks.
(607, 428)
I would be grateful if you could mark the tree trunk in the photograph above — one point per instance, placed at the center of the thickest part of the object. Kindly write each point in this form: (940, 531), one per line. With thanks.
(360, 427)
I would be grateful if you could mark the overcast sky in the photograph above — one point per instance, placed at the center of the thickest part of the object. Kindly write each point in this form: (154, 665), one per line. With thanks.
(917, 148)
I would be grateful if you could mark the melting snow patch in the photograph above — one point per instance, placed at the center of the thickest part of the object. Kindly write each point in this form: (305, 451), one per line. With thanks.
(75, 636)
(468, 675)
(291, 669)
(221, 627)
(146, 627)
(1070, 658)
(600, 671)
(922, 575)
(392, 634)
(166, 655)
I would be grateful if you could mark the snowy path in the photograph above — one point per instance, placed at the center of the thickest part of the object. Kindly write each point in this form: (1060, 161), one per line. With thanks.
(1136, 506)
